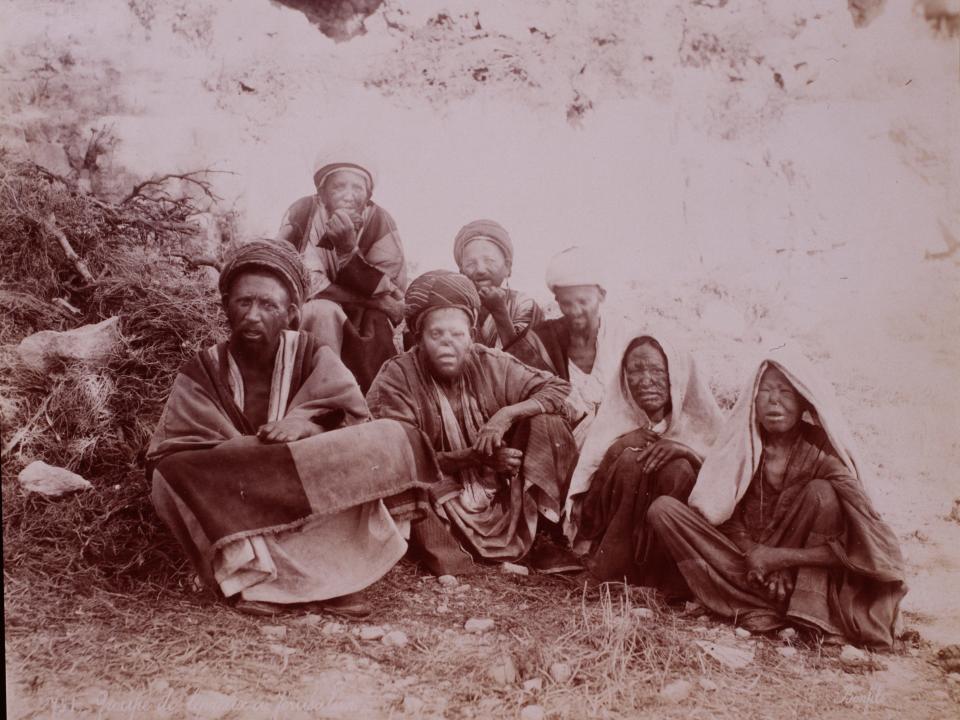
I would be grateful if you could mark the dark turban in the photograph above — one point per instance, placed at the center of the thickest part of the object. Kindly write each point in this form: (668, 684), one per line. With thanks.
(440, 289)
(487, 230)
(278, 259)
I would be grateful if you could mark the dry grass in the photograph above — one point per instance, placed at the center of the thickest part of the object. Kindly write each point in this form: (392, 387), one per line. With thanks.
(95, 421)
(68, 641)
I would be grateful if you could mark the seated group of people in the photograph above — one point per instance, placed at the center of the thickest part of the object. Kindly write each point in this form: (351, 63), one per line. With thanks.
(299, 460)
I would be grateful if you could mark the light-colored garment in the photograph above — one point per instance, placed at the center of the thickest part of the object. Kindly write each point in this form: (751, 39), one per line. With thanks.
(588, 389)
(732, 462)
(695, 418)
(338, 544)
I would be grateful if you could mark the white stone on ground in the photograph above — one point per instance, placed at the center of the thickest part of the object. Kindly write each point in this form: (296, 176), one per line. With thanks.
(677, 691)
(277, 632)
(51, 480)
(533, 685)
(395, 638)
(479, 625)
(533, 712)
(448, 581)
(92, 345)
(560, 672)
(372, 632)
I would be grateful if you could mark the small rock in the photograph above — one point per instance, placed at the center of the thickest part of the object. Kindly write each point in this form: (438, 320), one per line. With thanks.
(677, 691)
(448, 581)
(503, 671)
(741, 632)
(443, 608)
(788, 651)
(533, 712)
(332, 628)
(560, 672)
(281, 650)
(703, 618)
(642, 613)
(851, 656)
(462, 589)
(372, 632)
(277, 632)
(209, 704)
(308, 619)
(50, 480)
(953, 678)
(731, 657)
(949, 658)
(412, 704)
(158, 685)
(395, 638)
(90, 344)
(533, 685)
(479, 625)
(707, 684)
(514, 569)
(787, 634)
(690, 607)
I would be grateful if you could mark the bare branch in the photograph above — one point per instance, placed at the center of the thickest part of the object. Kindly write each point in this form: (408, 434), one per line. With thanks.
(49, 223)
(198, 260)
(190, 177)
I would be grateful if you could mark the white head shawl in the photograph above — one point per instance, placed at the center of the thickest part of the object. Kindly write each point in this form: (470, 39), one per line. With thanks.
(695, 418)
(732, 463)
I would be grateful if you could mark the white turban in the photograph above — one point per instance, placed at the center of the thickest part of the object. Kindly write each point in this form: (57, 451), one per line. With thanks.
(573, 266)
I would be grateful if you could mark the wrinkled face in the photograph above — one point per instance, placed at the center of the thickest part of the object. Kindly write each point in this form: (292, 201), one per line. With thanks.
(445, 338)
(645, 370)
(345, 190)
(483, 262)
(778, 405)
(258, 309)
(580, 304)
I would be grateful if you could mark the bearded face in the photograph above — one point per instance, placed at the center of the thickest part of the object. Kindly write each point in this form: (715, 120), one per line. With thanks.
(258, 309)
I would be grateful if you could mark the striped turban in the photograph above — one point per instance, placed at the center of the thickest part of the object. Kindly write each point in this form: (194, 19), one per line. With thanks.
(483, 230)
(278, 259)
(325, 170)
(440, 289)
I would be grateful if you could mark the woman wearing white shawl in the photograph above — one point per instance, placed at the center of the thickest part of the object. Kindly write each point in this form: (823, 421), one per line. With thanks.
(657, 419)
(779, 529)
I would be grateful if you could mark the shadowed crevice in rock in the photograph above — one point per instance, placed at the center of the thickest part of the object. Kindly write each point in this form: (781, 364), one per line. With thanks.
(337, 19)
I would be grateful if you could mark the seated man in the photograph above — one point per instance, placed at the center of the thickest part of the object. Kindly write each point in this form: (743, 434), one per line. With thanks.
(779, 529)
(494, 424)
(352, 250)
(584, 345)
(273, 504)
(484, 253)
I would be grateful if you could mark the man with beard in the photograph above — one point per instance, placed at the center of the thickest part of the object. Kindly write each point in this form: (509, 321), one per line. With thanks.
(496, 427)
(584, 345)
(353, 252)
(255, 463)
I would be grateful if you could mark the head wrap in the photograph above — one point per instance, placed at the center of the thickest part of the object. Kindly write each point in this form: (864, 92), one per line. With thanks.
(486, 230)
(573, 266)
(278, 259)
(732, 463)
(324, 170)
(440, 289)
(695, 418)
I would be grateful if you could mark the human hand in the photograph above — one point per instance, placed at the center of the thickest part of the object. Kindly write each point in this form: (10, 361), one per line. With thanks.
(390, 305)
(341, 231)
(659, 452)
(504, 460)
(762, 560)
(493, 299)
(491, 434)
(288, 430)
(779, 585)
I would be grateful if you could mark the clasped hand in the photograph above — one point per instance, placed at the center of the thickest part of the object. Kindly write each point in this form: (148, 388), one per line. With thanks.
(659, 451)
(341, 231)
(765, 569)
(489, 447)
